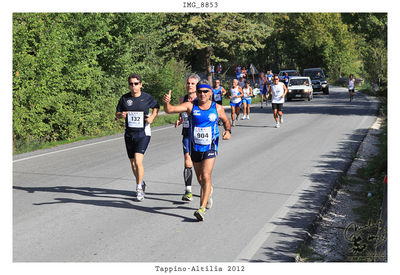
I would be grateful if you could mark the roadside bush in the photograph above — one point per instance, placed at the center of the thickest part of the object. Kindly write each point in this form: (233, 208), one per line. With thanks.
(160, 78)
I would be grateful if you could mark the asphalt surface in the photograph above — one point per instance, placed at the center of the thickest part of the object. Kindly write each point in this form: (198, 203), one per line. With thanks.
(74, 203)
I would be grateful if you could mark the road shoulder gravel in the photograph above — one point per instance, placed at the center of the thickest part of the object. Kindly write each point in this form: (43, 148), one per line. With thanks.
(328, 238)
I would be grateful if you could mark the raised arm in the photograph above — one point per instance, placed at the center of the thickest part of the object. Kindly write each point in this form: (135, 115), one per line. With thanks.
(171, 109)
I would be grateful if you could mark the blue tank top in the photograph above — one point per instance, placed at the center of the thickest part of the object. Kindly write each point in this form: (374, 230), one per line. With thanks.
(269, 77)
(217, 94)
(204, 127)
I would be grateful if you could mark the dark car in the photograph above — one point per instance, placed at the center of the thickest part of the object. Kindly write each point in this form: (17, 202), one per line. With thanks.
(318, 79)
(289, 72)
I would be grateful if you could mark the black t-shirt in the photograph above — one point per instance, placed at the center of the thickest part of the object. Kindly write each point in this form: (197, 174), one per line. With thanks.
(138, 108)
(185, 131)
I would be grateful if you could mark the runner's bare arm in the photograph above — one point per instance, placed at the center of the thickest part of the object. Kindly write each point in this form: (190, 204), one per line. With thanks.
(269, 92)
(241, 92)
(286, 91)
(171, 109)
(227, 124)
(153, 115)
(223, 91)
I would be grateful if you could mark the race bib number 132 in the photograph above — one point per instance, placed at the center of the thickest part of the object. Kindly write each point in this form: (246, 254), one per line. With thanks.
(135, 119)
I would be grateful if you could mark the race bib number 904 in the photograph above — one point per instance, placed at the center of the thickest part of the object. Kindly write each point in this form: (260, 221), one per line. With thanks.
(202, 136)
(135, 119)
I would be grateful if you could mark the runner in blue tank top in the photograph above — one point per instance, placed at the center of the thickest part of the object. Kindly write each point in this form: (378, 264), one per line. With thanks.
(205, 135)
(218, 92)
(205, 130)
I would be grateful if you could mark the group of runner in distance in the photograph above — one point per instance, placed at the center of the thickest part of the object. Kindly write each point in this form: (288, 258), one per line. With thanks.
(200, 112)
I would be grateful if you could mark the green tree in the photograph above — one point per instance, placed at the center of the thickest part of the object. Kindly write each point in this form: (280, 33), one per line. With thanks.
(216, 37)
(371, 32)
(303, 40)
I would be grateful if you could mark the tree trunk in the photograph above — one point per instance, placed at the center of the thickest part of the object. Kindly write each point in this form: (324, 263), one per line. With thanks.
(208, 65)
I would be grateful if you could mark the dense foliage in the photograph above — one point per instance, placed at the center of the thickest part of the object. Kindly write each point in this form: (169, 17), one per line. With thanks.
(69, 69)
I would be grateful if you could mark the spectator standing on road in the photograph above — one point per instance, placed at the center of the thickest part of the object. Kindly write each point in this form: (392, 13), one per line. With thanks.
(219, 69)
(263, 90)
(351, 85)
(191, 83)
(134, 108)
(236, 94)
(205, 135)
(246, 101)
(278, 91)
(212, 71)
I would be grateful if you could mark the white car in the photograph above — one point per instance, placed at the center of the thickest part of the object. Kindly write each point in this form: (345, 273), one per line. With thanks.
(300, 87)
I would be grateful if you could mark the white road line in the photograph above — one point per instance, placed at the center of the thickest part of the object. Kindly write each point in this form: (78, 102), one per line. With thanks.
(77, 147)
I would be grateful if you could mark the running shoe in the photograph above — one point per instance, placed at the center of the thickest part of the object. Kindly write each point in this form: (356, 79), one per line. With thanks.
(210, 200)
(280, 119)
(199, 214)
(188, 196)
(140, 192)
(144, 186)
(277, 125)
(233, 123)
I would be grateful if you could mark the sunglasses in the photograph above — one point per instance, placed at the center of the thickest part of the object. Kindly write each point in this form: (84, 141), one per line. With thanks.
(202, 91)
(134, 83)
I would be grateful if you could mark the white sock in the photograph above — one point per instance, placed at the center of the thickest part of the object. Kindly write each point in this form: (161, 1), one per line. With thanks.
(189, 188)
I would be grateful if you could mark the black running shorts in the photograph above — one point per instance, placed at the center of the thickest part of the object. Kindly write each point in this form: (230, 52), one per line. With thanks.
(200, 156)
(136, 145)
(277, 106)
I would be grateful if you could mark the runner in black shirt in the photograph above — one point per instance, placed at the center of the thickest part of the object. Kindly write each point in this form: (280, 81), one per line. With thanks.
(134, 108)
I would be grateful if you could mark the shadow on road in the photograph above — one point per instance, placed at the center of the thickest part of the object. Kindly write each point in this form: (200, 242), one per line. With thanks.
(305, 211)
(111, 198)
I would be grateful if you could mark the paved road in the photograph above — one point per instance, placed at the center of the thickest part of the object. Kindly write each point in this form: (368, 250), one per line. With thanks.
(74, 203)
